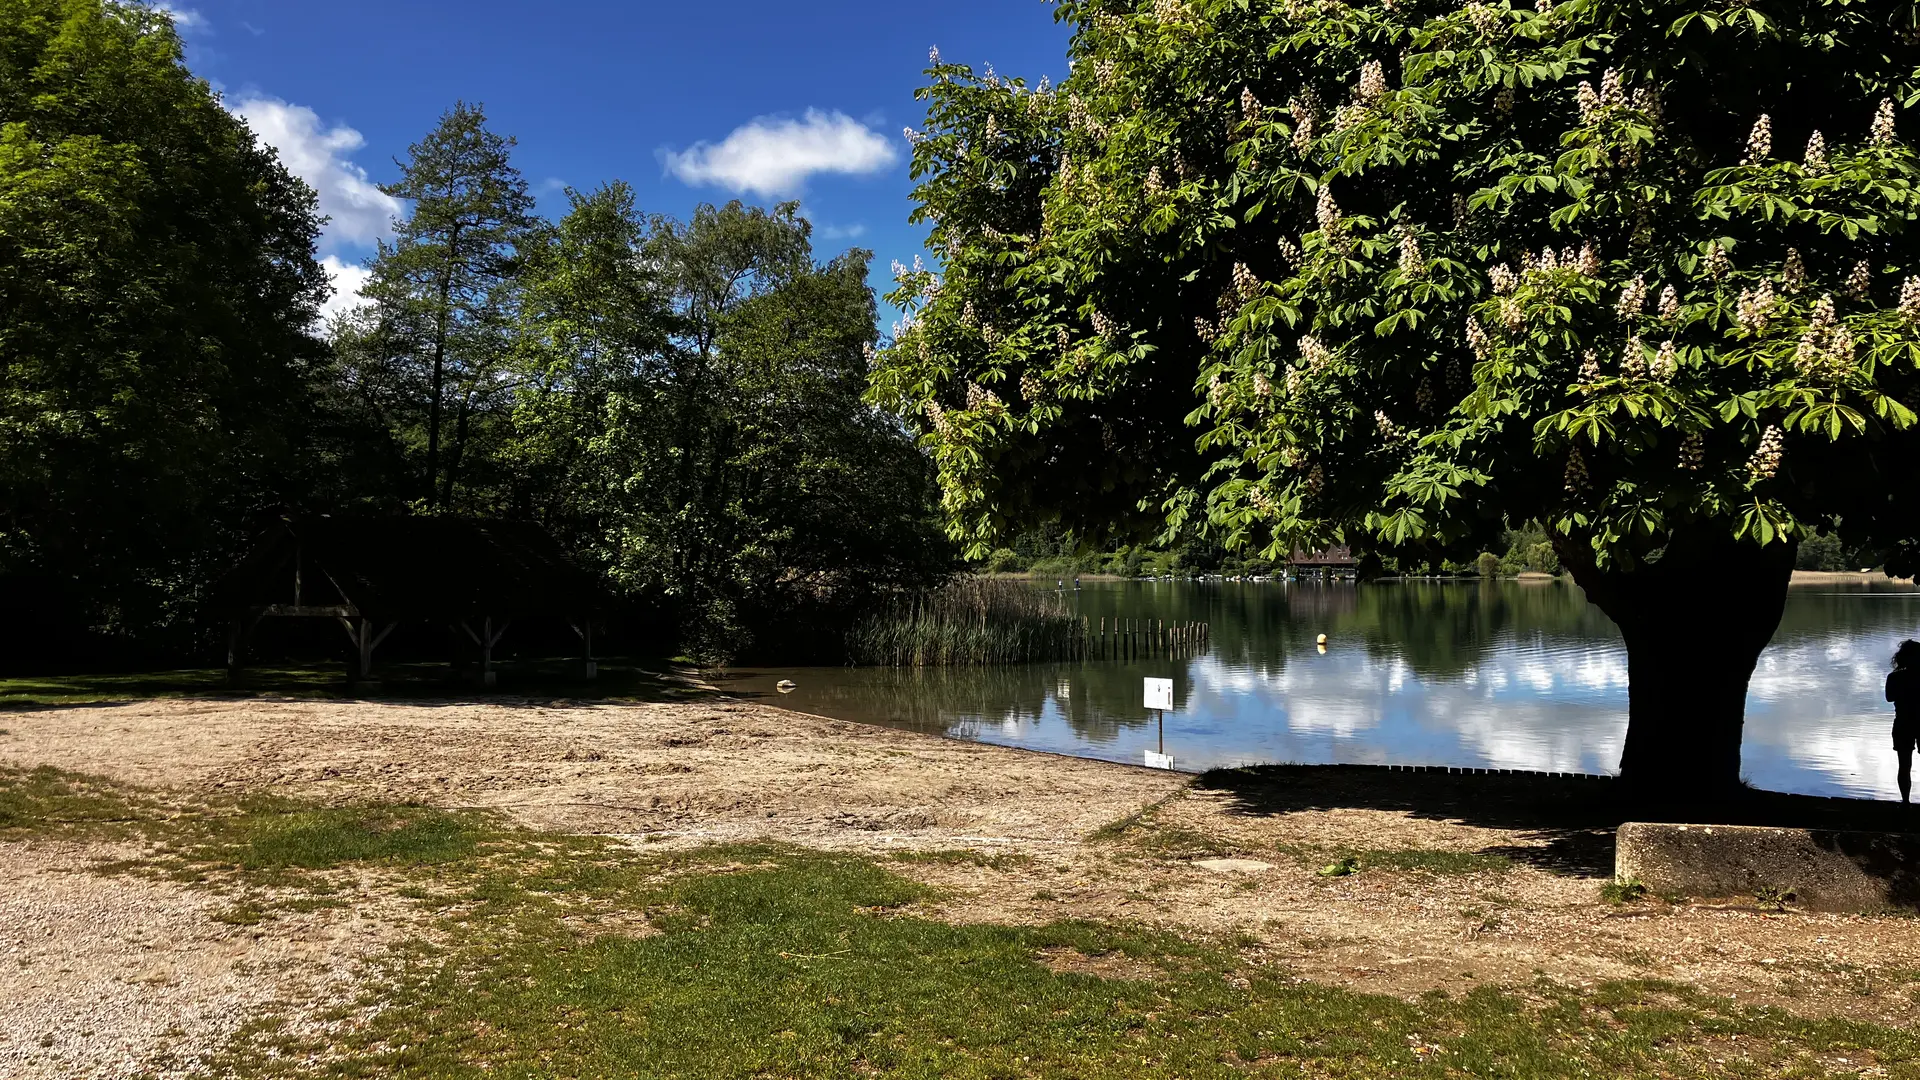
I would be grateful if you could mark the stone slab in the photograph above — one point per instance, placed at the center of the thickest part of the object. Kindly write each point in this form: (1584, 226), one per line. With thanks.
(1824, 869)
(1233, 866)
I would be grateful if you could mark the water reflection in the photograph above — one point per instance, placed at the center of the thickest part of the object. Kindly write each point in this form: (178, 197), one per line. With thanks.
(1493, 675)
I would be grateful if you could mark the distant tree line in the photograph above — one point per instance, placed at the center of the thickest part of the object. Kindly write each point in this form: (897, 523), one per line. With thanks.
(678, 401)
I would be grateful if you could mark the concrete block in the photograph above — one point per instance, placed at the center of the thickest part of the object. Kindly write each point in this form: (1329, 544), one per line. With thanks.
(1824, 869)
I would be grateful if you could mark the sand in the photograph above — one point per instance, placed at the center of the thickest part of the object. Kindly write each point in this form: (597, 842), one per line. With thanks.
(1205, 859)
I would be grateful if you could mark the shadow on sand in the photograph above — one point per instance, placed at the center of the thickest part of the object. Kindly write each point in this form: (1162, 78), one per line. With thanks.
(1568, 821)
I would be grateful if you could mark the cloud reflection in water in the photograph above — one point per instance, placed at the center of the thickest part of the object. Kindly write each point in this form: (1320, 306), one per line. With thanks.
(1504, 676)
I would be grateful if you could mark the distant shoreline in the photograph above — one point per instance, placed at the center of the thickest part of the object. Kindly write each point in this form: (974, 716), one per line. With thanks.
(1846, 577)
(1800, 577)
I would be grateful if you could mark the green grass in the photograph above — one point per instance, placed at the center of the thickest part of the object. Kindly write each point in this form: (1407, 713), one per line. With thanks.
(1624, 891)
(1431, 861)
(559, 956)
(323, 839)
(618, 680)
(783, 963)
(992, 860)
(47, 801)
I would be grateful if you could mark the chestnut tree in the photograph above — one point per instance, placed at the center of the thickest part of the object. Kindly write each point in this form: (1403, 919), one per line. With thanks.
(1287, 273)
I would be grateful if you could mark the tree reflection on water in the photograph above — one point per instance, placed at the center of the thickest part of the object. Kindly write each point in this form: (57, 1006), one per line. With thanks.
(1489, 674)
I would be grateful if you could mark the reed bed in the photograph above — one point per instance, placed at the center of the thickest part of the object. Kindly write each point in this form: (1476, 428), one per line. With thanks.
(969, 621)
(983, 621)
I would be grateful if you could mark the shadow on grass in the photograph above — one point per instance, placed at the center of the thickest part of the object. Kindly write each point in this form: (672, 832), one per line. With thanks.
(517, 682)
(1571, 820)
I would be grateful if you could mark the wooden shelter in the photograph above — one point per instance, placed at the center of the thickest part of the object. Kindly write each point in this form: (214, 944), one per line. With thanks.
(373, 573)
(1338, 557)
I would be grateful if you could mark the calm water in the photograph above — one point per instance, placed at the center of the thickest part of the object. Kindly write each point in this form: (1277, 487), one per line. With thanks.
(1507, 675)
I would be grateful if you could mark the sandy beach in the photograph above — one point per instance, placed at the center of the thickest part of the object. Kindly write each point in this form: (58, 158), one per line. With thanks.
(1460, 891)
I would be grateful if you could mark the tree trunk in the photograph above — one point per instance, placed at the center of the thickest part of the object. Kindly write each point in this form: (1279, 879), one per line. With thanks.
(1695, 622)
(443, 317)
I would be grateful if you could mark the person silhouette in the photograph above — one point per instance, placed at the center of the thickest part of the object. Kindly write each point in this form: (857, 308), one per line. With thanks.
(1903, 689)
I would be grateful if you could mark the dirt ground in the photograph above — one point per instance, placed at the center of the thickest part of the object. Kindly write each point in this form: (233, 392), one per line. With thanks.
(1218, 855)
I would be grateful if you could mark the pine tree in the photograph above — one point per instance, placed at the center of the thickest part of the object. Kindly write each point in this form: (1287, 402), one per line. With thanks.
(432, 344)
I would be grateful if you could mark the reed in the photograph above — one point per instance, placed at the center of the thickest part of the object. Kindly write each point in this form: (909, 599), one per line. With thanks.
(971, 621)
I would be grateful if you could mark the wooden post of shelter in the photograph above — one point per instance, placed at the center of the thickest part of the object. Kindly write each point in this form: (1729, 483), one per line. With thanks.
(360, 631)
(589, 668)
(487, 638)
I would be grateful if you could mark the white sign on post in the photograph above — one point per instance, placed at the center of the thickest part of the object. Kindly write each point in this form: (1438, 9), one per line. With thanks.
(1159, 693)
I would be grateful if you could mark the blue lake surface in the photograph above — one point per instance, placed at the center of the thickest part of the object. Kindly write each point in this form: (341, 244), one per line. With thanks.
(1491, 675)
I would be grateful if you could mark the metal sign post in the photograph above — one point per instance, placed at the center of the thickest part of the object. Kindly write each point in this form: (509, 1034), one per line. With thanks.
(1159, 697)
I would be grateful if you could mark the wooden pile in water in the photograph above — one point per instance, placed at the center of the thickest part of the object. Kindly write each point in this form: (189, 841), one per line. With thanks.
(1128, 638)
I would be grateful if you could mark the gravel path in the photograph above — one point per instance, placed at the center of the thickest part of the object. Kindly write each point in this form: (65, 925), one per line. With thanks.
(125, 976)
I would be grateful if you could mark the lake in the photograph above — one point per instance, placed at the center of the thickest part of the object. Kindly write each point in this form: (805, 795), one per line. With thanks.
(1509, 675)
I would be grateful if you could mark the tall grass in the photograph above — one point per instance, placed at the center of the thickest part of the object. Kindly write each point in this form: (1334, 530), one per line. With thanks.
(969, 621)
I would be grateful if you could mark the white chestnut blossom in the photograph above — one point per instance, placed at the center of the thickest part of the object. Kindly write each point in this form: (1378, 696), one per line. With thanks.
(1332, 226)
(1755, 308)
(1883, 134)
(1245, 283)
(1511, 315)
(1765, 463)
(1486, 19)
(1860, 280)
(1633, 297)
(1249, 106)
(1718, 265)
(1826, 347)
(1816, 160)
(1633, 359)
(1576, 474)
(1306, 108)
(1666, 361)
(1413, 263)
(1477, 338)
(1760, 141)
(1910, 299)
(1793, 274)
(1693, 451)
(1372, 85)
(1588, 100)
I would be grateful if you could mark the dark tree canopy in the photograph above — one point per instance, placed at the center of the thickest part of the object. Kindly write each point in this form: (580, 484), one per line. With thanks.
(159, 286)
(1284, 272)
(693, 407)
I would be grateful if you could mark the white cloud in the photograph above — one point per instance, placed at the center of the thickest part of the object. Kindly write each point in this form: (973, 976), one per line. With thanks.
(360, 212)
(183, 18)
(773, 156)
(348, 279)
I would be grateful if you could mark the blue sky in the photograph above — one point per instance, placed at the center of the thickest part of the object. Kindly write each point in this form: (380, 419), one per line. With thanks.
(689, 102)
